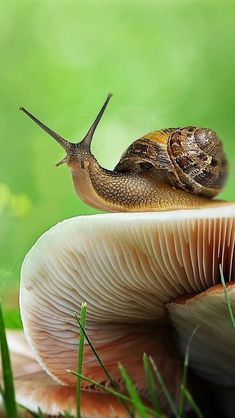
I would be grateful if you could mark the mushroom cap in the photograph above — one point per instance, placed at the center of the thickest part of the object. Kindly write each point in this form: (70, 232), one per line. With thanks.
(22, 363)
(213, 345)
(126, 267)
(35, 389)
(22, 358)
(39, 390)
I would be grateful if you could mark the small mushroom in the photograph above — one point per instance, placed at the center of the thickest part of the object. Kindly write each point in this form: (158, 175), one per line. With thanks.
(213, 346)
(22, 362)
(138, 274)
(35, 389)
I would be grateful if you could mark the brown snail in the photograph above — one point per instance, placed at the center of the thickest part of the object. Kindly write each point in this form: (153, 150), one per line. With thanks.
(176, 168)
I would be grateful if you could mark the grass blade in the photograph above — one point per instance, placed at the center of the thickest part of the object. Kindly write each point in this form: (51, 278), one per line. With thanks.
(163, 387)
(113, 392)
(65, 415)
(133, 393)
(100, 386)
(80, 358)
(151, 384)
(185, 374)
(113, 383)
(27, 412)
(8, 391)
(40, 414)
(193, 404)
(227, 300)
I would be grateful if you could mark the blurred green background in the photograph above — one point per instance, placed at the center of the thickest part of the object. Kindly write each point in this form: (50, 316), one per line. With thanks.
(168, 63)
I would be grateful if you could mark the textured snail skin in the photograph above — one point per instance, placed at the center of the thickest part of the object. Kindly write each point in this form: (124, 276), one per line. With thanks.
(129, 191)
(174, 168)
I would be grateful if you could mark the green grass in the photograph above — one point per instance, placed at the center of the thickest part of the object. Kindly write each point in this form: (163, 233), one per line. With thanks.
(152, 390)
(183, 386)
(164, 389)
(153, 376)
(192, 403)
(101, 363)
(134, 397)
(227, 300)
(8, 392)
(39, 414)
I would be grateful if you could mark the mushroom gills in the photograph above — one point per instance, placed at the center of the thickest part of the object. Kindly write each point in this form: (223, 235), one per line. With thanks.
(126, 267)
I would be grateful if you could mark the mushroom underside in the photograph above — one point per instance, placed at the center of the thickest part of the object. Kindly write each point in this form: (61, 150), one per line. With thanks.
(130, 269)
(36, 390)
(207, 316)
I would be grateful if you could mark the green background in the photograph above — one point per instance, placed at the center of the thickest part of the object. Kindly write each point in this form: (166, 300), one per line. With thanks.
(167, 63)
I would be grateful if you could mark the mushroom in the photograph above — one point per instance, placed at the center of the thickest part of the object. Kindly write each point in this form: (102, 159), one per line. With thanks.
(22, 361)
(139, 274)
(35, 389)
(213, 348)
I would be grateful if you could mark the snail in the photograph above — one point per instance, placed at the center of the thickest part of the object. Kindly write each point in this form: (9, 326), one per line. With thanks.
(174, 168)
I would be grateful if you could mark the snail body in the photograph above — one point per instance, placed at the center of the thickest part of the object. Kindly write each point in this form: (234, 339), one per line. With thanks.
(176, 168)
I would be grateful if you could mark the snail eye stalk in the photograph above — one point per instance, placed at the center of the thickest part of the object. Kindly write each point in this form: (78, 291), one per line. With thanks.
(63, 142)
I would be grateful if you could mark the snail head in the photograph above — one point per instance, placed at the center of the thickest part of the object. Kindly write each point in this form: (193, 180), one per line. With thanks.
(75, 151)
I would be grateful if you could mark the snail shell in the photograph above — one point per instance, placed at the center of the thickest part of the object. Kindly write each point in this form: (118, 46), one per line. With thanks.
(190, 158)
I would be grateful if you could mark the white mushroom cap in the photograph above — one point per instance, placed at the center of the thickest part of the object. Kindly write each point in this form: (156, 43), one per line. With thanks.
(212, 349)
(126, 267)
